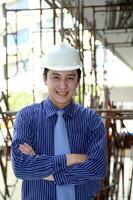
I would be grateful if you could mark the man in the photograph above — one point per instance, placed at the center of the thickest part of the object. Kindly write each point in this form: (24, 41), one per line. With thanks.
(33, 157)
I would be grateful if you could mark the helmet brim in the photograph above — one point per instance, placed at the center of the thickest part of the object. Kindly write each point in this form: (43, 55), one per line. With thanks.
(64, 68)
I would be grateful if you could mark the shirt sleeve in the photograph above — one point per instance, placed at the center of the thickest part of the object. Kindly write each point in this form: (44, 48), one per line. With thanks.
(93, 168)
(27, 166)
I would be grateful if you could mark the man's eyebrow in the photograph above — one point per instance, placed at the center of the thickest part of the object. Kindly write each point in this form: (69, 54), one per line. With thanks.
(72, 74)
(54, 73)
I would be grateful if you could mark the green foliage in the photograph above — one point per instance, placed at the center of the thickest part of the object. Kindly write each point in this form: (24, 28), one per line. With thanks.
(19, 100)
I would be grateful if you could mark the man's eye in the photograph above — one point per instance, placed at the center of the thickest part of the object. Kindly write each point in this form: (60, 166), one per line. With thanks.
(71, 78)
(55, 77)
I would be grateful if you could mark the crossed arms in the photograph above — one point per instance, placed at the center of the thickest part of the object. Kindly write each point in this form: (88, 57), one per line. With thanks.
(63, 169)
(71, 159)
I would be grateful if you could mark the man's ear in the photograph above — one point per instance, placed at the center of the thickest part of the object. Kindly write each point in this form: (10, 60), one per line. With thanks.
(78, 82)
(45, 79)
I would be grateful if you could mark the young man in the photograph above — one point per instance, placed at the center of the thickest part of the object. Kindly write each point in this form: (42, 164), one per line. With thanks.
(33, 152)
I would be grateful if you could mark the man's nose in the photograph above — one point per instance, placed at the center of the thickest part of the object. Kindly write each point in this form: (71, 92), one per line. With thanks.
(63, 83)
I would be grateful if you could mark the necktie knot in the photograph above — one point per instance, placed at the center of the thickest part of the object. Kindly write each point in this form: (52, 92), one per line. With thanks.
(60, 112)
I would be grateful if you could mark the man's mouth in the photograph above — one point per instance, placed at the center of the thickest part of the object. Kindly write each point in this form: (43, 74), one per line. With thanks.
(62, 93)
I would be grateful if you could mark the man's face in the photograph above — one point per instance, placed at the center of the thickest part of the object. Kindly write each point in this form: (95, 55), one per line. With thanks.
(61, 86)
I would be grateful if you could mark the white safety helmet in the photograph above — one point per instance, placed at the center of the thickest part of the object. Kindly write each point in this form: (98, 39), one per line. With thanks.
(62, 57)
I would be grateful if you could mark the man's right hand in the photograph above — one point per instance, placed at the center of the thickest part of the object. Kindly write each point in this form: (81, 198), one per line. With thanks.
(75, 158)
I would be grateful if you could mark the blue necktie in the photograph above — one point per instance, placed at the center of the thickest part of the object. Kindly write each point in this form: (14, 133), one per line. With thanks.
(61, 144)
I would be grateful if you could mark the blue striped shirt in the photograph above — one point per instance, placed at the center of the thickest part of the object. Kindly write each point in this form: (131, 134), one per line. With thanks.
(34, 125)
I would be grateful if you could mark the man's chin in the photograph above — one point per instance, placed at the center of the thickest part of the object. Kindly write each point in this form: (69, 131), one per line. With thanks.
(62, 103)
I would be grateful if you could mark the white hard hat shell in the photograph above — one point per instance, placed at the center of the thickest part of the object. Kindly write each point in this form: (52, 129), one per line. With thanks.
(62, 57)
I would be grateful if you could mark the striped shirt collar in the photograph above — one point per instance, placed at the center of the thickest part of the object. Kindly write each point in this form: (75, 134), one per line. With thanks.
(70, 110)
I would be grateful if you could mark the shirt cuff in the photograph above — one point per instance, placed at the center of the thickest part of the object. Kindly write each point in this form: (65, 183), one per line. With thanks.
(60, 178)
(60, 162)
